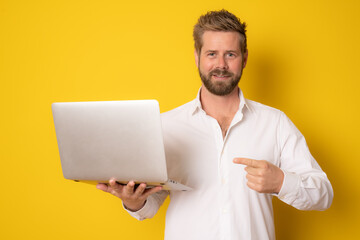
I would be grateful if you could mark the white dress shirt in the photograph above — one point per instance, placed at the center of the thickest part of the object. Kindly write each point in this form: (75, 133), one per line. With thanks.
(221, 205)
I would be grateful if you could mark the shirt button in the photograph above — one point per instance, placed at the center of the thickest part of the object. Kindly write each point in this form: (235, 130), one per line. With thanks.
(225, 210)
(224, 180)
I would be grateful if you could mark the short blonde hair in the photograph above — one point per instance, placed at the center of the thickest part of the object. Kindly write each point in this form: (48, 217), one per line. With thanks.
(222, 21)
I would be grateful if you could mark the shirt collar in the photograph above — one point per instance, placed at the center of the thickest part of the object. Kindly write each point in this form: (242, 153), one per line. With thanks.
(196, 107)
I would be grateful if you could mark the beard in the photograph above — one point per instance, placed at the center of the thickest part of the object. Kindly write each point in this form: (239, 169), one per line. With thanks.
(220, 88)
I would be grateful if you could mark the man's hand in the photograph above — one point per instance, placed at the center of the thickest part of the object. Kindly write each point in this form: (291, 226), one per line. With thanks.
(262, 176)
(133, 199)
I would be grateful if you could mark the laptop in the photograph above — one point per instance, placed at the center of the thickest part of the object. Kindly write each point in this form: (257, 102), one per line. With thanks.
(105, 139)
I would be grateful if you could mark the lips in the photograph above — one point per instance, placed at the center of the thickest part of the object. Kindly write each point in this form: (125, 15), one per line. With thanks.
(221, 76)
(221, 73)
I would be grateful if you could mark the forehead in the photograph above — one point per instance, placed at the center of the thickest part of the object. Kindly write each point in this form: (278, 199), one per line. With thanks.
(214, 40)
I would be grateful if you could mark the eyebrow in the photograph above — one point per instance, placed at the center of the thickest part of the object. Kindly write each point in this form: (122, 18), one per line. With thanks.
(227, 51)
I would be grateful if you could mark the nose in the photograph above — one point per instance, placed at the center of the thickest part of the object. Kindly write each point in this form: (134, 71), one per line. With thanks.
(222, 64)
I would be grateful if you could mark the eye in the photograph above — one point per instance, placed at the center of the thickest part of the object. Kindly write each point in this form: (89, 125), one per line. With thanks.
(211, 54)
(231, 55)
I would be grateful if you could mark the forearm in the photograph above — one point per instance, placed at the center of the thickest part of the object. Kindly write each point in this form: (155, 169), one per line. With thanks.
(308, 191)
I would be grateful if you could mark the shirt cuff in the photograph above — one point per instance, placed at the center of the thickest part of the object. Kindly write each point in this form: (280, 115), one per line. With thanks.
(142, 212)
(290, 188)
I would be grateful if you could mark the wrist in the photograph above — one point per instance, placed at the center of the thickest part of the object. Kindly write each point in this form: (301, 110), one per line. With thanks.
(134, 207)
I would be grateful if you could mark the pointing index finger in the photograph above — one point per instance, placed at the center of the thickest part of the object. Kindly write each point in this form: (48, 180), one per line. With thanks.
(247, 161)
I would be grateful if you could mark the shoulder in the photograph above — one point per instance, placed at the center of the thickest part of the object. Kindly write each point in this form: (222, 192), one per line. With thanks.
(262, 110)
(274, 117)
(269, 117)
(179, 112)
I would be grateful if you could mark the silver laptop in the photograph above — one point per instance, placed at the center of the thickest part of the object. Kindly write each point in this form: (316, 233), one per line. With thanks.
(120, 139)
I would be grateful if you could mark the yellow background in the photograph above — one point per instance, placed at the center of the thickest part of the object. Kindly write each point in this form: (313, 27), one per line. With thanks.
(303, 59)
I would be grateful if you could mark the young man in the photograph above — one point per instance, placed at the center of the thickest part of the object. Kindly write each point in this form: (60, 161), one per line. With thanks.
(236, 154)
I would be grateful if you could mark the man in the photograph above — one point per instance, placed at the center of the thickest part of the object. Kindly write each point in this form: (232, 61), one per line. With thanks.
(236, 154)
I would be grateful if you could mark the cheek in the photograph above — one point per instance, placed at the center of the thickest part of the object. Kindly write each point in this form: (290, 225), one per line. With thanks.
(236, 66)
(206, 65)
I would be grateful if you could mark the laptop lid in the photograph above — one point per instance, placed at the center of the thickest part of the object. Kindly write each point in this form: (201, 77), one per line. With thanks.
(100, 140)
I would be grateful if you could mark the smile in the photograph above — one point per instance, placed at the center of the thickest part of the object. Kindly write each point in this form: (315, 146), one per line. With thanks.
(221, 76)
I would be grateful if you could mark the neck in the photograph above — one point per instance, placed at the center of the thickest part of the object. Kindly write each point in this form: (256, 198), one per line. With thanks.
(220, 106)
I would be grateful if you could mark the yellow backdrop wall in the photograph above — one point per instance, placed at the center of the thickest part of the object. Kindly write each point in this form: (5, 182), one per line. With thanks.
(303, 59)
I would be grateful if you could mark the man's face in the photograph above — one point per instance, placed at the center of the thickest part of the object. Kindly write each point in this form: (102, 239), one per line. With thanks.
(220, 62)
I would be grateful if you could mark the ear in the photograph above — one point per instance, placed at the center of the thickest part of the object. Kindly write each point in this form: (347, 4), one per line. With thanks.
(245, 58)
(196, 58)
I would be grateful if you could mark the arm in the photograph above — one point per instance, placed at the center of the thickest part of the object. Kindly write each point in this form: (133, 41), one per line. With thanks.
(141, 202)
(306, 186)
(299, 181)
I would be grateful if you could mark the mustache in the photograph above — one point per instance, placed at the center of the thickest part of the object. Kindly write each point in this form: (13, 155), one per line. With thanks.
(221, 72)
